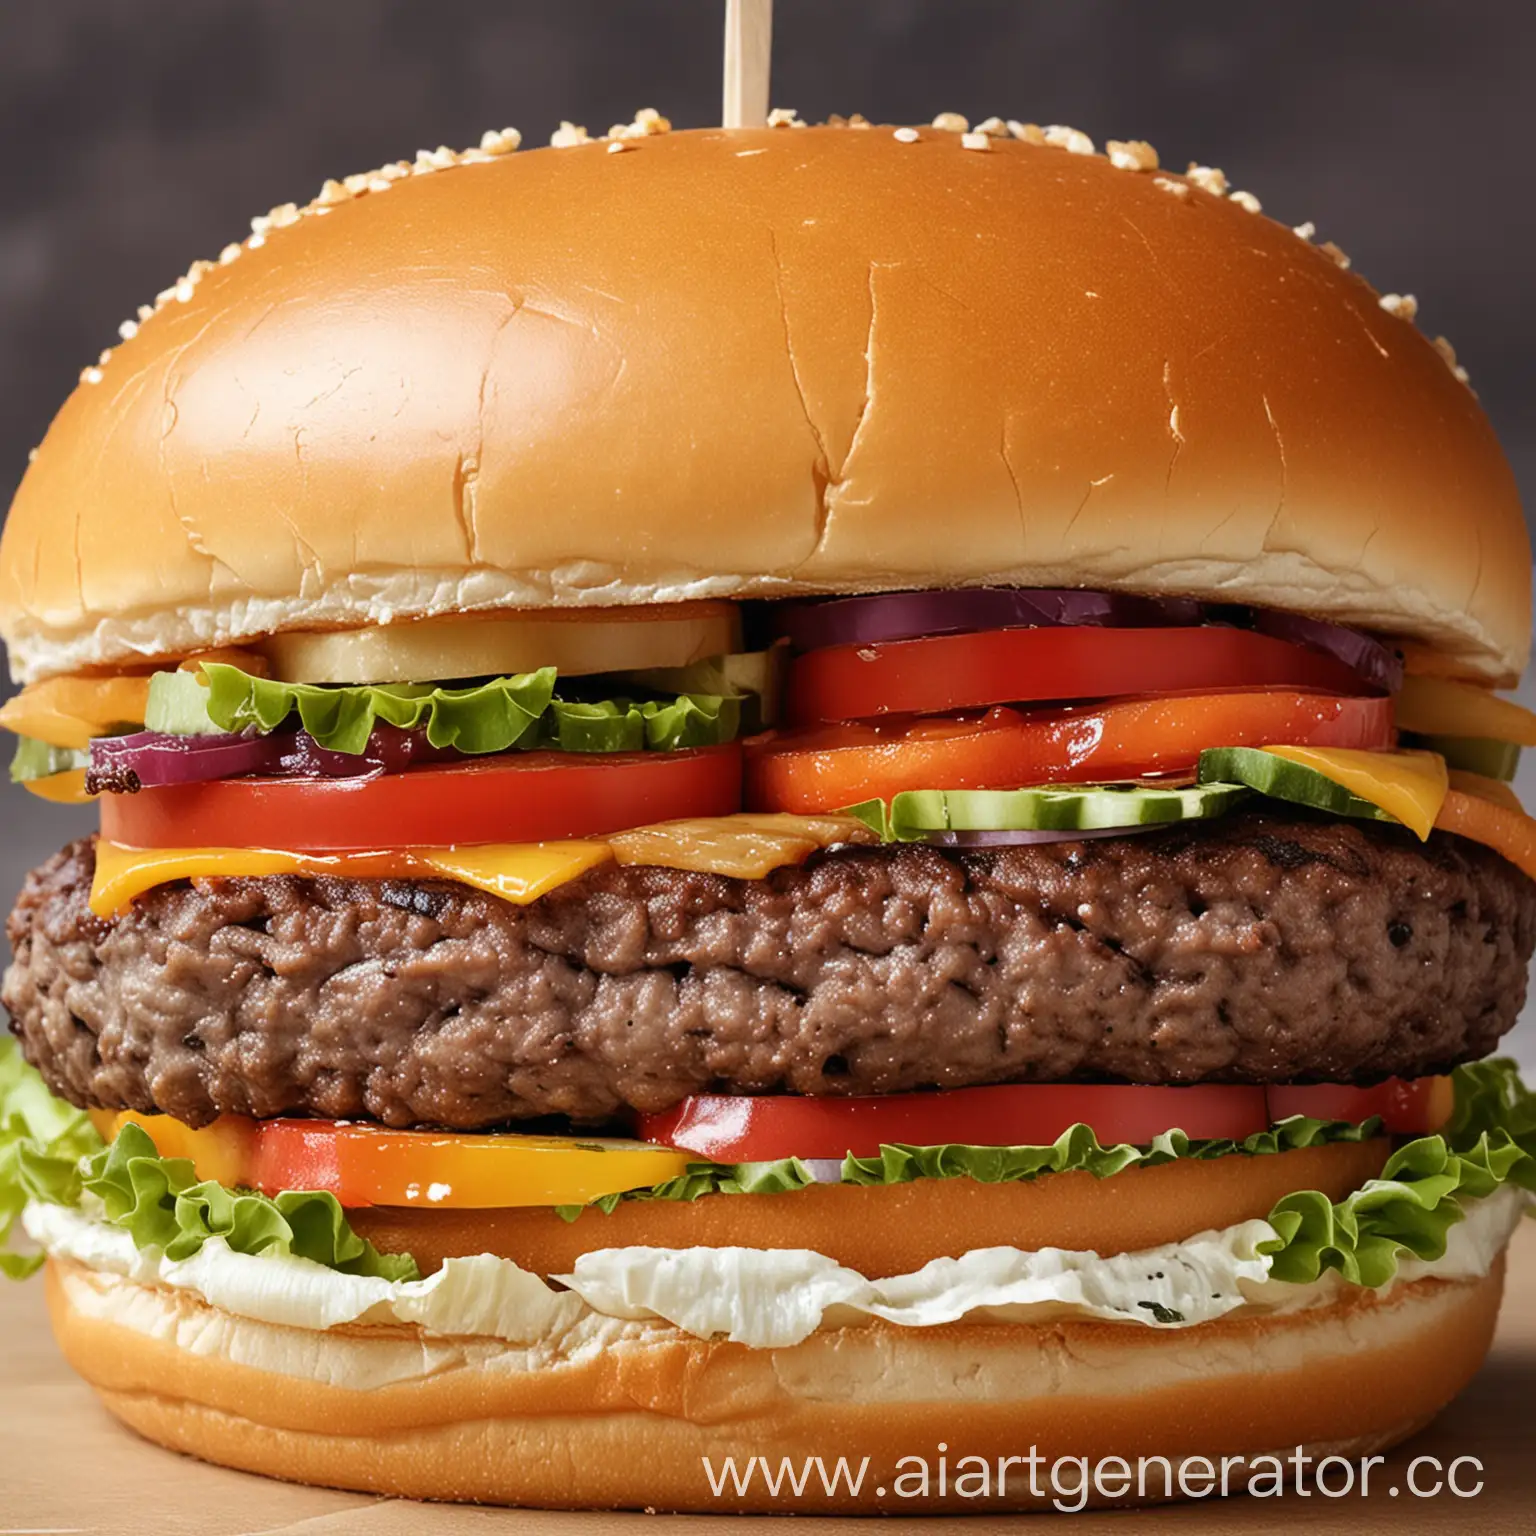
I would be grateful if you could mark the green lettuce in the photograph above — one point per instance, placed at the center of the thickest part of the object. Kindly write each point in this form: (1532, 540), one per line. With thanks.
(487, 717)
(37, 760)
(1077, 1149)
(501, 715)
(50, 1152)
(42, 1140)
(1411, 1208)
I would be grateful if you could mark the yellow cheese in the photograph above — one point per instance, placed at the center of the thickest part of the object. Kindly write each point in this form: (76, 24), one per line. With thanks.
(745, 847)
(1440, 706)
(517, 872)
(67, 788)
(1408, 785)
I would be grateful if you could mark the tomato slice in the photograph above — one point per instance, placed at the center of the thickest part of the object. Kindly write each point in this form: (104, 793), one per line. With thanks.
(1407, 1106)
(518, 798)
(825, 767)
(1001, 666)
(364, 1165)
(736, 1129)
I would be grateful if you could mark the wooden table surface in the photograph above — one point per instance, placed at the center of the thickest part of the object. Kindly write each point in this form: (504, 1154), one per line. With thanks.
(67, 1467)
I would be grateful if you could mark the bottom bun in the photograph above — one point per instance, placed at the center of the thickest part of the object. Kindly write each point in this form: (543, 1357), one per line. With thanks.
(624, 1415)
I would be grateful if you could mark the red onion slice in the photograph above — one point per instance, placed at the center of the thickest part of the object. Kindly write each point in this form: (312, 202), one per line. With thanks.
(389, 750)
(884, 616)
(150, 759)
(888, 616)
(1378, 664)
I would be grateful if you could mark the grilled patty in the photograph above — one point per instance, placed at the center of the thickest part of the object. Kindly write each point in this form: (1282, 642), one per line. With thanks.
(1262, 947)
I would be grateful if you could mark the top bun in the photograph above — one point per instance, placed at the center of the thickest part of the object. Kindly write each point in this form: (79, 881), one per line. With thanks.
(755, 363)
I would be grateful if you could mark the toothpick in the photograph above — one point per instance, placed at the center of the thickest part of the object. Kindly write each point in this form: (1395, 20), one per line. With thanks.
(748, 56)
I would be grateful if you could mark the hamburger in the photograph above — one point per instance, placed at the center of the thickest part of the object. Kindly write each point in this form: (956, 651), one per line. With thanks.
(810, 792)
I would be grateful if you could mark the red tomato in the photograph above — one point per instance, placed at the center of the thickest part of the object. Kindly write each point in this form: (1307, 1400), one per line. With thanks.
(1407, 1106)
(1001, 666)
(519, 798)
(825, 767)
(736, 1129)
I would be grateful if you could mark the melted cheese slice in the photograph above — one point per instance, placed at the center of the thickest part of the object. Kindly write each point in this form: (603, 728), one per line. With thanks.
(516, 872)
(1408, 785)
(743, 847)
(1417, 789)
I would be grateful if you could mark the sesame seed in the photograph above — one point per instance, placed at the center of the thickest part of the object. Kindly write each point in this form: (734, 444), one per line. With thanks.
(184, 291)
(380, 184)
(500, 141)
(951, 122)
(1304, 231)
(128, 329)
(1403, 305)
(90, 375)
(1448, 354)
(1246, 201)
(145, 311)
(106, 356)
(784, 117)
(1177, 188)
(1334, 254)
(618, 146)
(231, 252)
(1132, 155)
(285, 215)
(993, 127)
(652, 121)
(1030, 133)
(975, 141)
(568, 135)
(907, 135)
(31, 455)
(256, 242)
(1069, 139)
(1208, 178)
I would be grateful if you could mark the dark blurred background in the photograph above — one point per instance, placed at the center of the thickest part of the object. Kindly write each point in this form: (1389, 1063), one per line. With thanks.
(139, 134)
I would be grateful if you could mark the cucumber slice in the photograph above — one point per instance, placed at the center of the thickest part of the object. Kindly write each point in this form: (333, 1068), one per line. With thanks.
(915, 814)
(1475, 754)
(178, 706)
(1281, 779)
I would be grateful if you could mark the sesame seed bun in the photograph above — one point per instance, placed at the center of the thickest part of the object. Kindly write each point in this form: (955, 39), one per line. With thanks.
(756, 363)
(621, 1414)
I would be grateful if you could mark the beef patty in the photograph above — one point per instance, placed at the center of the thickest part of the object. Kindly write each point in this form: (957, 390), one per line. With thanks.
(1263, 947)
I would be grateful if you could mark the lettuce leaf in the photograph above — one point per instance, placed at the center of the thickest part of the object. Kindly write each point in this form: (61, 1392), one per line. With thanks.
(488, 717)
(51, 1152)
(1076, 1149)
(42, 1140)
(161, 1203)
(504, 714)
(1411, 1208)
(37, 760)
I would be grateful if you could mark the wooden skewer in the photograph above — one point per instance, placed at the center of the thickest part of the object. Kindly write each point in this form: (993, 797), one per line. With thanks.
(748, 56)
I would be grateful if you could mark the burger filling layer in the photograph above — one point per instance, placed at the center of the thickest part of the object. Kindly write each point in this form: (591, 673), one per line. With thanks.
(1267, 946)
